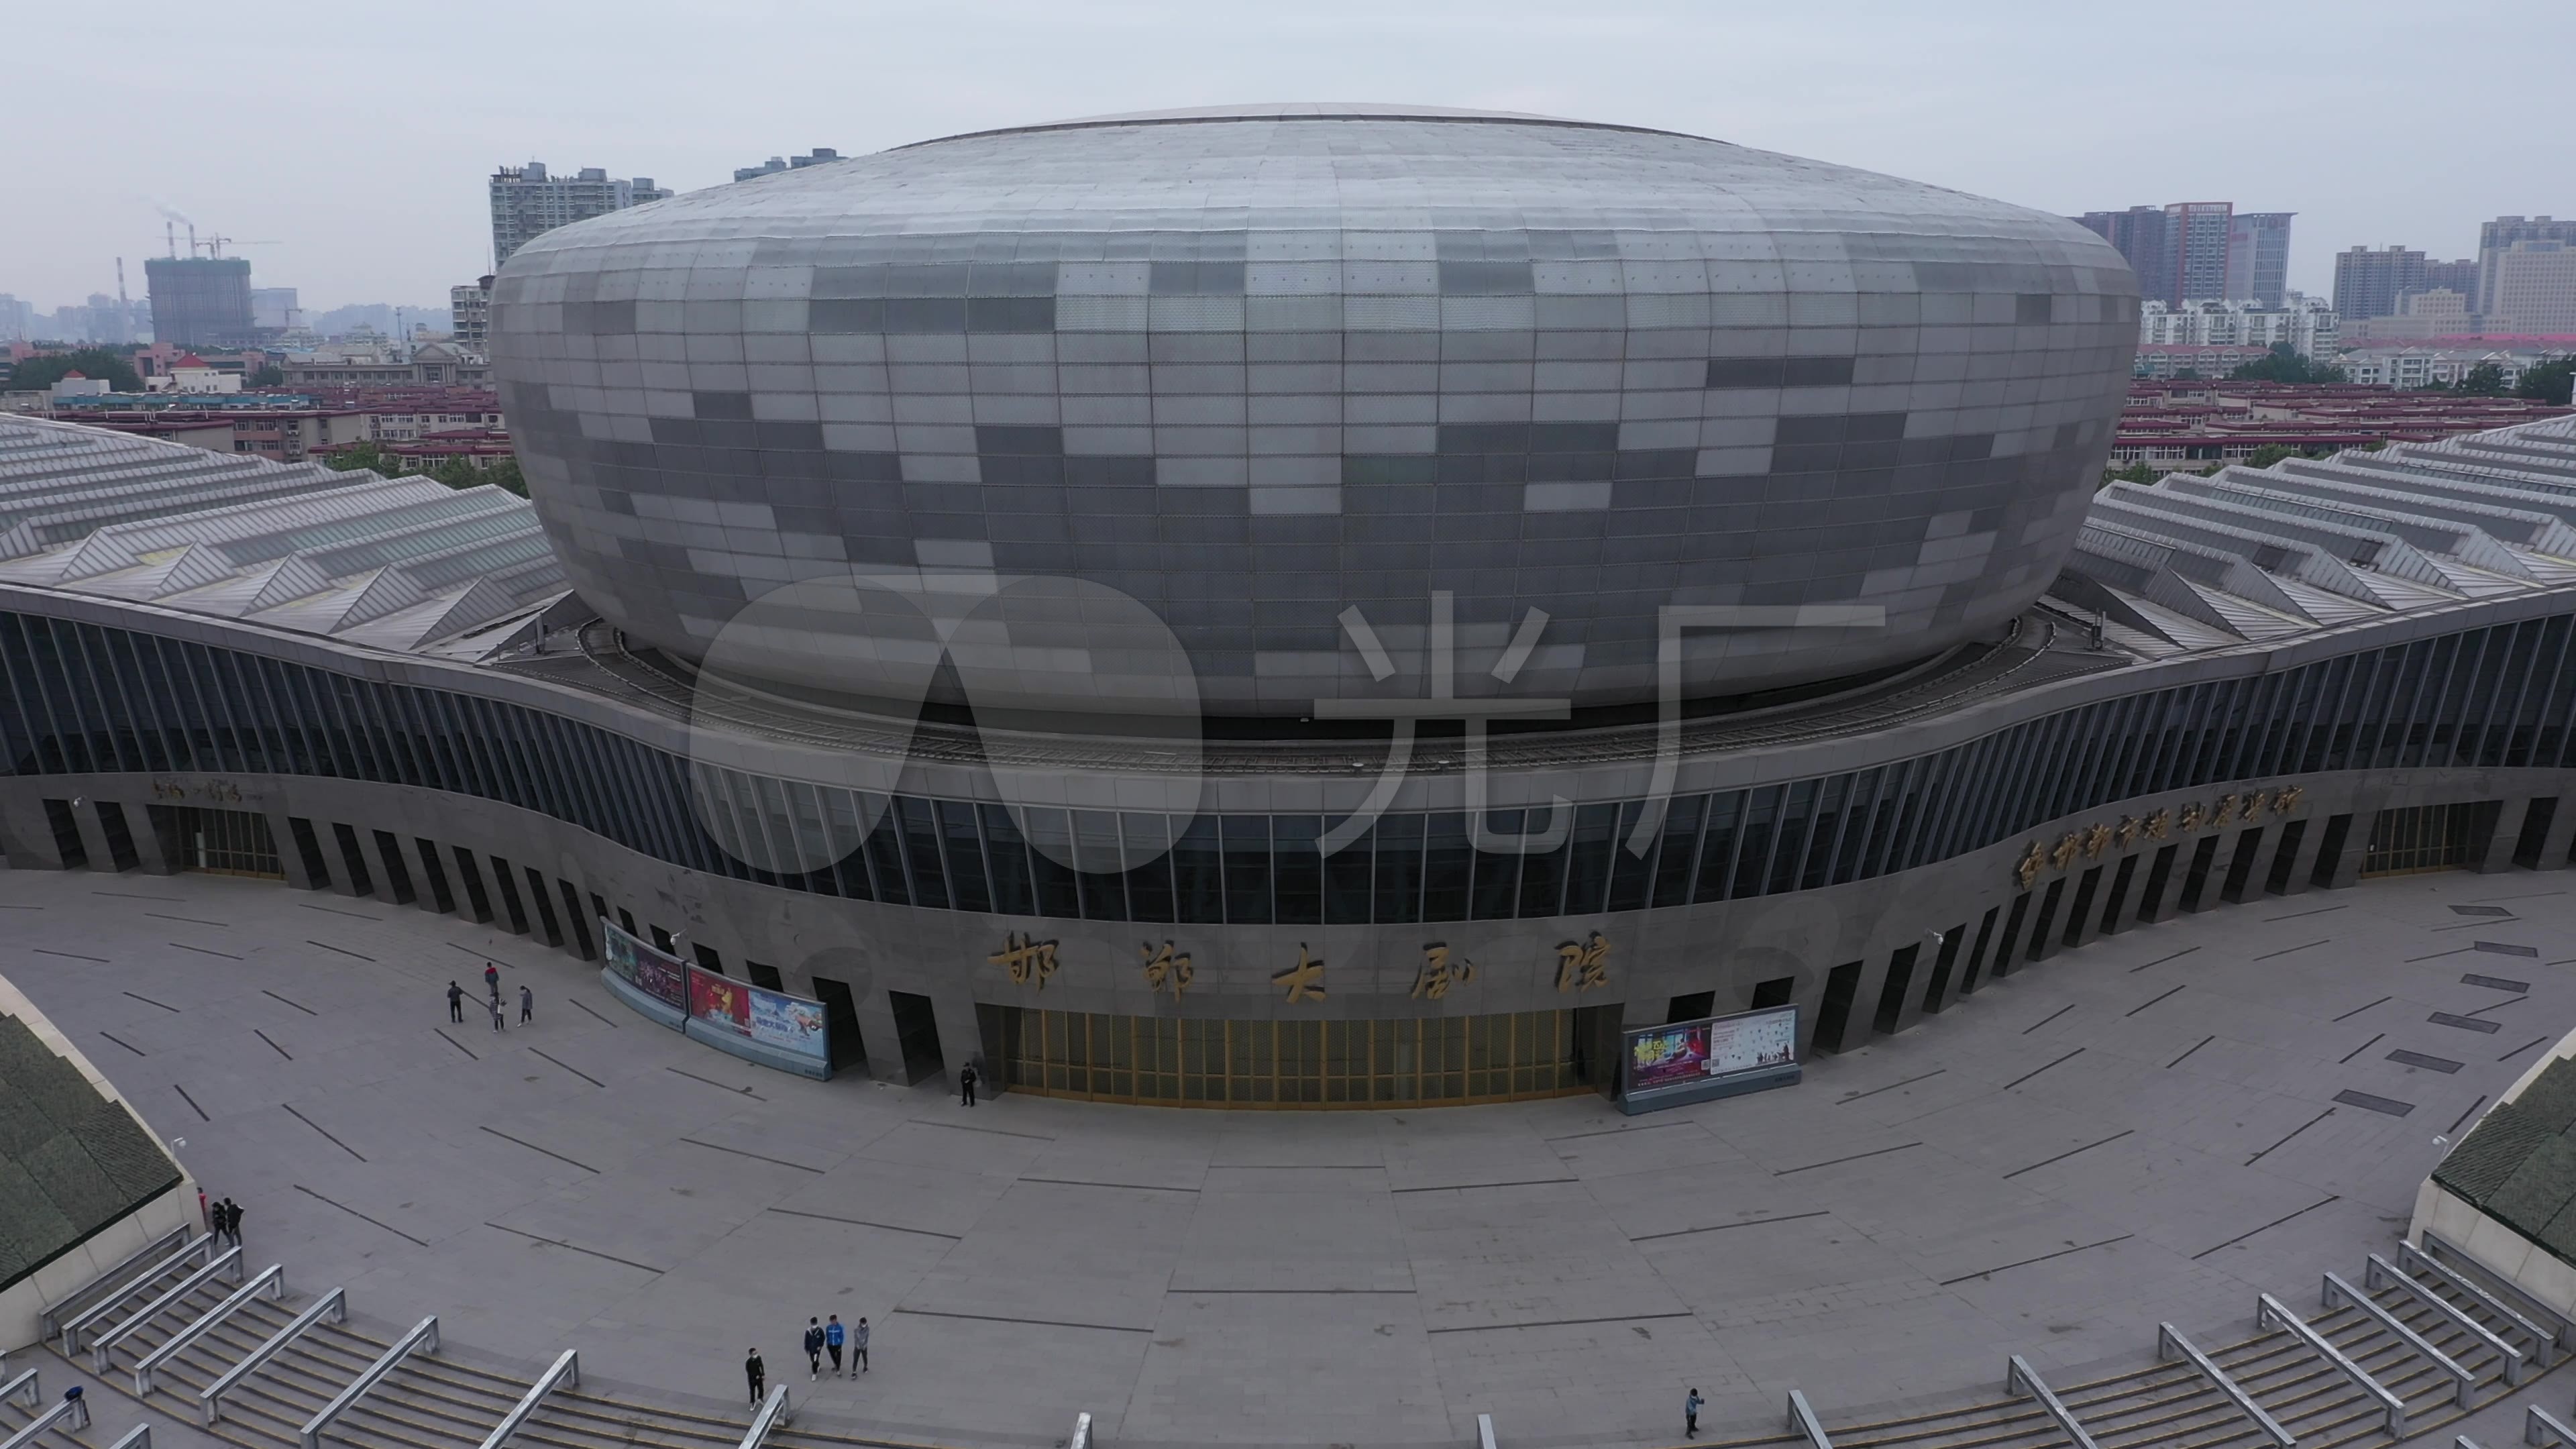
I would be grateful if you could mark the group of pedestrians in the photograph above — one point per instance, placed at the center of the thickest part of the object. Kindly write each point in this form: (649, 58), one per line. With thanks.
(821, 1338)
(222, 1218)
(492, 985)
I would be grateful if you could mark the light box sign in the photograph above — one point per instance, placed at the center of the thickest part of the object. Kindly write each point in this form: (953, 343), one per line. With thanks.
(1718, 1056)
(658, 974)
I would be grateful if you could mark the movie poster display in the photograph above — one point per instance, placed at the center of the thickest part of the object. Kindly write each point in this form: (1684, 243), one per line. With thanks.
(774, 1019)
(658, 974)
(1714, 1057)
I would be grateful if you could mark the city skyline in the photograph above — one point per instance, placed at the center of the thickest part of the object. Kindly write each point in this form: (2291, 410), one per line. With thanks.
(1995, 105)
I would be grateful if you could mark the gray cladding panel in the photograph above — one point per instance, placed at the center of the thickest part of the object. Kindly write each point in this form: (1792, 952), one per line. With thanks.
(1255, 371)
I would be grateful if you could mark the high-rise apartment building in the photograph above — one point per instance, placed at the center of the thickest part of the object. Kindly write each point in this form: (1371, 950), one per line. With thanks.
(200, 301)
(2498, 236)
(776, 164)
(2138, 234)
(470, 307)
(527, 201)
(273, 309)
(2460, 276)
(2368, 283)
(2198, 233)
(2258, 257)
(2533, 284)
(2181, 252)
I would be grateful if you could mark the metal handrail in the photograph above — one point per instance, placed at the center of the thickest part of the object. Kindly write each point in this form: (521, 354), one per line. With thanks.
(272, 1278)
(1081, 1437)
(2537, 1422)
(1802, 1417)
(2380, 1267)
(101, 1353)
(2465, 1384)
(2020, 1377)
(566, 1367)
(2271, 1312)
(1484, 1431)
(71, 1406)
(26, 1385)
(2466, 1266)
(368, 1378)
(50, 1322)
(2169, 1337)
(773, 1413)
(2415, 1260)
(210, 1400)
(204, 1244)
(138, 1437)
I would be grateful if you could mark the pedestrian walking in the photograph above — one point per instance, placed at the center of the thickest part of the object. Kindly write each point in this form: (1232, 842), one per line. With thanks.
(1690, 1414)
(813, 1348)
(492, 979)
(966, 1083)
(494, 1006)
(833, 1334)
(859, 1344)
(232, 1220)
(757, 1373)
(527, 1004)
(455, 1002)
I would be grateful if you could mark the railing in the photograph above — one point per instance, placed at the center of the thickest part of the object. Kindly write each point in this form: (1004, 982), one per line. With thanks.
(424, 1331)
(210, 1402)
(71, 1327)
(50, 1322)
(2271, 1312)
(2464, 1383)
(1080, 1438)
(567, 1369)
(2465, 1265)
(2416, 1260)
(272, 1278)
(100, 1354)
(138, 1437)
(2170, 1344)
(773, 1413)
(73, 1406)
(2539, 1426)
(2380, 1268)
(24, 1386)
(1484, 1431)
(1802, 1417)
(2021, 1378)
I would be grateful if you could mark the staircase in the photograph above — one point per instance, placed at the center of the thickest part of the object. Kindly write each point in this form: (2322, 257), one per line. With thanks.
(429, 1402)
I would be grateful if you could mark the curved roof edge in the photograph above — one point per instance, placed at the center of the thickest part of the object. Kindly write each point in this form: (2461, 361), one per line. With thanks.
(1308, 111)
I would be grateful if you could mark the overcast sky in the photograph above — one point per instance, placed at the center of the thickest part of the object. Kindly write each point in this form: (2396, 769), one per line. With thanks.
(346, 145)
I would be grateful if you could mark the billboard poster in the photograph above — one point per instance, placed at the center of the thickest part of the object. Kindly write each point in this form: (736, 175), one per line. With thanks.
(657, 974)
(1693, 1052)
(771, 1018)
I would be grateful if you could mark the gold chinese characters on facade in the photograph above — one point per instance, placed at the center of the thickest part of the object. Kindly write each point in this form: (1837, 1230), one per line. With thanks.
(1026, 962)
(1439, 972)
(1305, 980)
(1583, 965)
(2090, 842)
(1167, 969)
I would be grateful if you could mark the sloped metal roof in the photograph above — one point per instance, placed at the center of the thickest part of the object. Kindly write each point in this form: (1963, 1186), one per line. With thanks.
(398, 564)
(2192, 563)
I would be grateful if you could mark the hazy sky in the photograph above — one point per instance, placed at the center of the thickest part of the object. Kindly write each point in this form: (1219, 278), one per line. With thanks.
(347, 144)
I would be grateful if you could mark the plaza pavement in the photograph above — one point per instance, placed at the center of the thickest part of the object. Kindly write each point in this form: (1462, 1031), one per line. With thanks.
(2149, 1128)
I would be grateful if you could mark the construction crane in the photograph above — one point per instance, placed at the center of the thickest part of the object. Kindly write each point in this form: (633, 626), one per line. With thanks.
(215, 244)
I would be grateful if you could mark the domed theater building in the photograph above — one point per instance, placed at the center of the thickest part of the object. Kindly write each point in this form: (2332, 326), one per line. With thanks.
(1299, 606)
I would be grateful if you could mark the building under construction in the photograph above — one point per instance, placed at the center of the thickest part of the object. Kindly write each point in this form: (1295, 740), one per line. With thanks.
(200, 301)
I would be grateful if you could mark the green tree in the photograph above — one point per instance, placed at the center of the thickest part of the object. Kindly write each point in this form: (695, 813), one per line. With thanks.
(2134, 473)
(2549, 382)
(2484, 380)
(363, 455)
(38, 373)
(270, 375)
(2271, 453)
(2284, 364)
(2187, 374)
